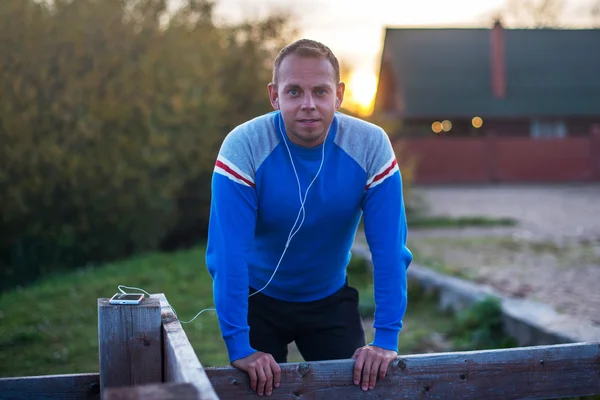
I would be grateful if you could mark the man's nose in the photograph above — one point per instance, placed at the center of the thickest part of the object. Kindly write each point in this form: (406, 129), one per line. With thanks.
(308, 103)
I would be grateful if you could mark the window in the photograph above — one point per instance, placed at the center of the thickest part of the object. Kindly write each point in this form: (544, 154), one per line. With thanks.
(541, 128)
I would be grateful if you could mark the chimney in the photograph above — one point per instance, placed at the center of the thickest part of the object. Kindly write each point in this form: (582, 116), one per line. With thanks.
(498, 67)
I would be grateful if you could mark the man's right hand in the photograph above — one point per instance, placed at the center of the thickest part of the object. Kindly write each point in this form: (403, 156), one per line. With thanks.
(263, 371)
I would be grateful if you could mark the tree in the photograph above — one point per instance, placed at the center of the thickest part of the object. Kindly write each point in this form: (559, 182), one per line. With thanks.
(111, 114)
(595, 13)
(532, 13)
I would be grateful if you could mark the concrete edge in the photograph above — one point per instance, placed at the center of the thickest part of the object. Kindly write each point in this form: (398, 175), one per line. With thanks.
(530, 322)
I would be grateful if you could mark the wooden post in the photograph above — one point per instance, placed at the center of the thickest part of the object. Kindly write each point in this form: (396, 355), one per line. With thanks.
(130, 343)
(181, 365)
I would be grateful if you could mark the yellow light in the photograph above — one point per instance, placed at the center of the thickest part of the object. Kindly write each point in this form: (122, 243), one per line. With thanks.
(446, 126)
(361, 90)
(477, 122)
(436, 127)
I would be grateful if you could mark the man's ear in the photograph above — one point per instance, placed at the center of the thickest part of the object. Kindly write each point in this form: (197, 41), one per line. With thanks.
(273, 96)
(339, 94)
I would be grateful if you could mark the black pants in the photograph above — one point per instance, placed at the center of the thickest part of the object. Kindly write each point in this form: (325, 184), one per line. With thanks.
(326, 329)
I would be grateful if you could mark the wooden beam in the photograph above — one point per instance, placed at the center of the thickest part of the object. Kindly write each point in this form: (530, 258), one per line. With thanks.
(180, 362)
(163, 391)
(130, 343)
(67, 387)
(540, 372)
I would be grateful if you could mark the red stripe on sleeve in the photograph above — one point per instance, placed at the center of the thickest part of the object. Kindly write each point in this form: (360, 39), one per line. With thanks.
(224, 166)
(383, 174)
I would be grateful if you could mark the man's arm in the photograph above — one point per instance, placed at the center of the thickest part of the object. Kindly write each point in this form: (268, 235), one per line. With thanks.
(386, 232)
(231, 229)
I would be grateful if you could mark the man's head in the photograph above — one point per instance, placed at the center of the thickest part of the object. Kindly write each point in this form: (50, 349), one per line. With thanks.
(306, 88)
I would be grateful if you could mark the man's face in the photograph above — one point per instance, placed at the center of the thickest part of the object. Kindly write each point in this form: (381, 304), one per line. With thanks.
(308, 96)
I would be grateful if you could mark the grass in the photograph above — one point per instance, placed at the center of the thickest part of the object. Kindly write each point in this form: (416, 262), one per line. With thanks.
(51, 326)
(419, 220)
(423, 323)
(457, 222)
(440, 253)
(437, 263)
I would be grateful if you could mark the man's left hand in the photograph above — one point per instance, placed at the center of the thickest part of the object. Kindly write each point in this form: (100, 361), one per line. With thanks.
(371, 361)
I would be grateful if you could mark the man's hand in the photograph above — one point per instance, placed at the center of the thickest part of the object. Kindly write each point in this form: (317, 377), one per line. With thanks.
(371, 361)
(263, 371)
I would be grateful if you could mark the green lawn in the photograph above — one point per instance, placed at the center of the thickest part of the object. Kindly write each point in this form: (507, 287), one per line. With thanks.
(432, 222)
(51, 327)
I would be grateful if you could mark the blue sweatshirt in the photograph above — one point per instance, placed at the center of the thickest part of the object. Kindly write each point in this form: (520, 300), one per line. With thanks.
(256, 203)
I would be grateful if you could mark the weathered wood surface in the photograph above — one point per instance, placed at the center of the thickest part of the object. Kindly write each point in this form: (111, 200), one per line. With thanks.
(51, 387)
(164, 391)
(540, 372)
(130, 343)
(181, 365)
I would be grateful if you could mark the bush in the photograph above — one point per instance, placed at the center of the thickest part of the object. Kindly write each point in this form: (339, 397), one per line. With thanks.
(480, 327)
(111, 114)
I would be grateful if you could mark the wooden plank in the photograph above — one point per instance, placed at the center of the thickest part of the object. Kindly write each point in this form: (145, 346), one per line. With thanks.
(163, 391)
(540, 372)
(180, 362)
(50, 387)
(130, 343)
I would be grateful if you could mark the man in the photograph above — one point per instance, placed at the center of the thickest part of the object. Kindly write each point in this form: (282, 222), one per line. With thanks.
(289, 189)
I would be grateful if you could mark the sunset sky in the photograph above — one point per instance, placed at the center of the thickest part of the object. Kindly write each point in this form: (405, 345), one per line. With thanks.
(355, 30)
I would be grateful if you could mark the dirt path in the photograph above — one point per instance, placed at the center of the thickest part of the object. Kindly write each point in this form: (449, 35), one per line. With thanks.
(552, 255)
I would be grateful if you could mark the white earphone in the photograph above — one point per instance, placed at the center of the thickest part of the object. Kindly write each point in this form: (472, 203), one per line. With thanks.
(302, 211)
(293, 231)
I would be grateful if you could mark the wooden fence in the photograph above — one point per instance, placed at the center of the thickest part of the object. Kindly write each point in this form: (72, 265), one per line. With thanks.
(144, 353)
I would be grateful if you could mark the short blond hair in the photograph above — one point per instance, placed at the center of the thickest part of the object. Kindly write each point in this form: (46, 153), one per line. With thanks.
(307, 48)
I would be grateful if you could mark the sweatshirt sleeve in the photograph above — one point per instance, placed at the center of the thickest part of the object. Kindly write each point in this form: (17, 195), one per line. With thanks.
(231, 229)
(386, 232)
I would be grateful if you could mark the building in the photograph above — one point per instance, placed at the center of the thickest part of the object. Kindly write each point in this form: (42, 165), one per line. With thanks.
(494, 105)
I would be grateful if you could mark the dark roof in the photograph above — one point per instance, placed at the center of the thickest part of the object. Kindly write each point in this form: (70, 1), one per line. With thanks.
(447, 72)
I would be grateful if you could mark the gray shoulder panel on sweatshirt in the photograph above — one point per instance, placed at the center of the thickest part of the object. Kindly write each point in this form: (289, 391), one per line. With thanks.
(367, 143)
(247, 146)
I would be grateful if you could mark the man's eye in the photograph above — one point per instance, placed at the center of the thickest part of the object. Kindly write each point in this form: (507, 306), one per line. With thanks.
(293, 92)
(320, 92)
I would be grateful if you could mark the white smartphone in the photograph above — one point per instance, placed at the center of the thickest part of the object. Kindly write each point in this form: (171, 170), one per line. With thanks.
(131, 299)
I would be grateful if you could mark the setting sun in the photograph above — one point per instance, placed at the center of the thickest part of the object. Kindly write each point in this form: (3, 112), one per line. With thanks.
(361, 90)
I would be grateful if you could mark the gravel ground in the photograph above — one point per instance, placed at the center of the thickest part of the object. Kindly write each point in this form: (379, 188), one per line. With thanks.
(552, 255)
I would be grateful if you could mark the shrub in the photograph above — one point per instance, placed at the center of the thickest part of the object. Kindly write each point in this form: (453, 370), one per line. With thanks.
(480, 327)
(111, 114)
